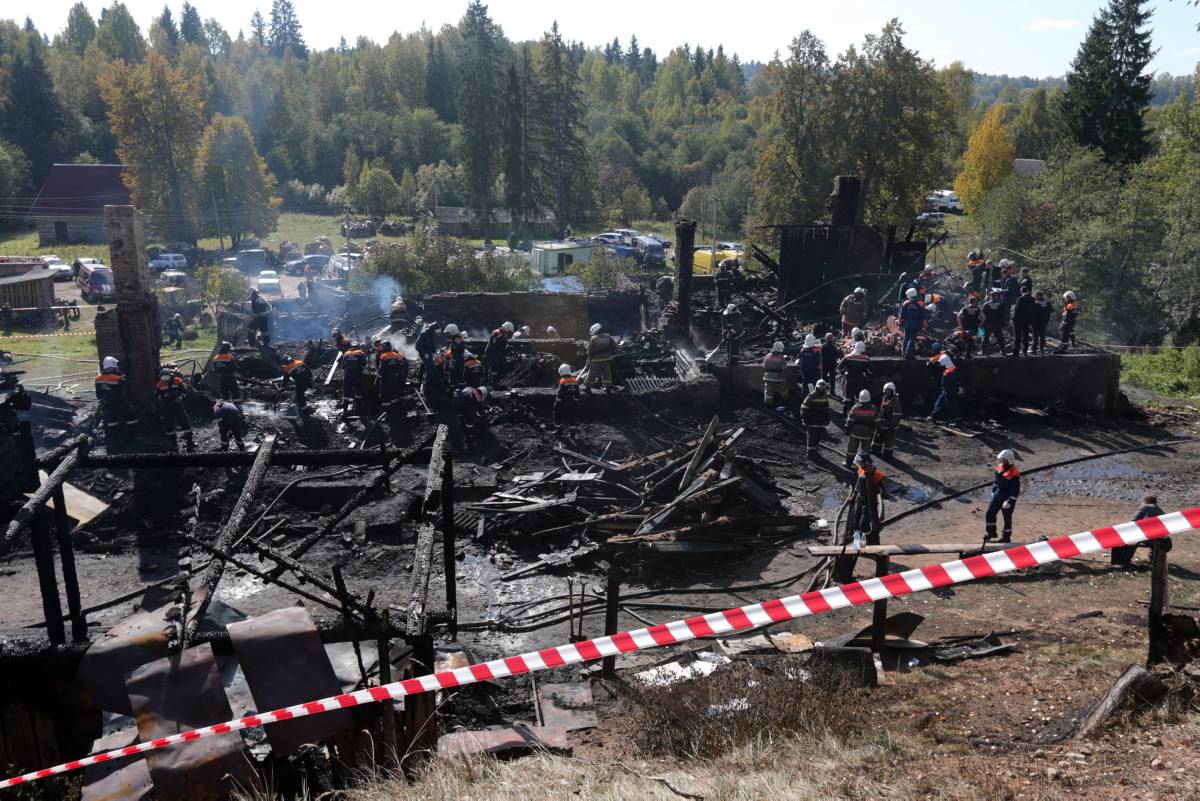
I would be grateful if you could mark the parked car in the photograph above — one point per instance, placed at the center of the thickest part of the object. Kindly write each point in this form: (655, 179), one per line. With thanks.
(342, 263)
(651, 252)
(268, 283)
(666, 243)
(624, 251)
(249, 261)
(736, 247)
(627, 234)
(316, 261)
(60, 270)
(95, 281)
(931, 219)
(608, 238)
(168, 261)
(945, 201)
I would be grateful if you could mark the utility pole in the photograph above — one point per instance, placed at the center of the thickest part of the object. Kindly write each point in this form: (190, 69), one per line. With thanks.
(217, 219)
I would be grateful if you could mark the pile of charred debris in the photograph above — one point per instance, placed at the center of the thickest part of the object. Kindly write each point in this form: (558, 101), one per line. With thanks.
(342, 551)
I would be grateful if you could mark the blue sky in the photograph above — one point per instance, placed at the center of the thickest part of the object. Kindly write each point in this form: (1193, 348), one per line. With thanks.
(1018, 37)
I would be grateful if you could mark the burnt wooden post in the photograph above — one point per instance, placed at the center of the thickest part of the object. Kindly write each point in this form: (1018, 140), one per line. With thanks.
(387, 708)
(612, 605)
(66, 551)
(137, 306)
(1159, 603)
(448, 541)
(43, 557)
(879, 608)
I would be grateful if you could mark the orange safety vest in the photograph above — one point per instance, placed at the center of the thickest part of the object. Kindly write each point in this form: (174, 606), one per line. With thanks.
(108, 378)
(878, 476)
(570, 379)
(1010, 473)
(292, 365)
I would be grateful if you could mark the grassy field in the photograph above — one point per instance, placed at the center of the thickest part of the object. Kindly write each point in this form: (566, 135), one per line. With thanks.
(1171, 371)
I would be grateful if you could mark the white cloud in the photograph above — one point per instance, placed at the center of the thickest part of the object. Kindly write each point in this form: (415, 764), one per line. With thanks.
(1048, 24)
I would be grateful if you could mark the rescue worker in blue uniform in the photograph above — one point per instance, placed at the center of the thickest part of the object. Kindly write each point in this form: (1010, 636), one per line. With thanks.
(1006, 488)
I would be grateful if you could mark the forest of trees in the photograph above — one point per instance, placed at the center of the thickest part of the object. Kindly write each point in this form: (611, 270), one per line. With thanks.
(222, 131)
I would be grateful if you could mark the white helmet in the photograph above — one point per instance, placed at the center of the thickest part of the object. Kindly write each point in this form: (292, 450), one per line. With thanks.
(1068, 295)
(1007, 456)
(451, 330)
(526, 330)
(854, 332)
(595, 329)
(551, 332)
(929, 268)
(945, 361)
(864, 397)
(777, 347)
(889, 385)
(485, 392)
(822, 384)
(1004, 264)
(860, 348)
(109, 363)
(858, 290)
(731, 308)
(564, 369)
(810, 341)
(910, 293)
(508, 327)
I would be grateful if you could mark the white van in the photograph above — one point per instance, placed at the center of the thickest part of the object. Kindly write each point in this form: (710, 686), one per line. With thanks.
(168, 261)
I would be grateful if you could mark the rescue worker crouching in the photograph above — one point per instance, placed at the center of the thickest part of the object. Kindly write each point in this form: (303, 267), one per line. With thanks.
(602, 348)
(890, 413)
(566, 400)
(860, 426)
(775, 386)
(1006, 488)
(814, 414)
(230, 424)
(110, 392)
(299, 374)
(469, 407)
(170, 390)
(225, 366)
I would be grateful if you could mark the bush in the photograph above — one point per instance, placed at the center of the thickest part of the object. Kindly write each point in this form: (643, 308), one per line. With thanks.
(428, 263)
(310, 198)
(602, 271)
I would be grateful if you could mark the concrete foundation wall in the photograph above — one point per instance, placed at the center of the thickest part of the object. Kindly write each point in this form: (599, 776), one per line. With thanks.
(1078, 379)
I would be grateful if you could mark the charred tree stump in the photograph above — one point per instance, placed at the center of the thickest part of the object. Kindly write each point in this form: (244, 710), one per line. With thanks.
(1136, 683)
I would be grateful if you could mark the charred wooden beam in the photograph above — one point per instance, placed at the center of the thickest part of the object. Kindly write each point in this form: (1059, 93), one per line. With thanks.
(66, 551)
(43, 493)
(280, 458)
(439, 496)
(357, 500)
(233, 524)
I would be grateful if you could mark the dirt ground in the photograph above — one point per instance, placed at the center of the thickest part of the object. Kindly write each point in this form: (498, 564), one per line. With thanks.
(994, 723)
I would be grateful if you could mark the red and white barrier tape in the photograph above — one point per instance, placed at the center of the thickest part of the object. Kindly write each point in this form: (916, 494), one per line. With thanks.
(743, 618)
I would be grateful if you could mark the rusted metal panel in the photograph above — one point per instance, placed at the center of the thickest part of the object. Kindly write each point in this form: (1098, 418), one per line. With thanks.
(136, 640)
(491, 741)
(567, 706)
(179, 693)
(274, 682)
(123, 780)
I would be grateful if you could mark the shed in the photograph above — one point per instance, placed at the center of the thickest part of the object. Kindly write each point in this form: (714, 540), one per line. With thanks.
(25, 283)
(553, 258)
(1029, 168)
(460, 221)
(70, 205)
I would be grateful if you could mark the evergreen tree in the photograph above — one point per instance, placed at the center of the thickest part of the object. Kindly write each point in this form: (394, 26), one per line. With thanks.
(191, 28)
(633, 56)
(518, 157)
(559, 133)
(439, 81)
(258, 29)
(80, 30)
(1108, 89)
(166, 24)
(31, 115)
(285, 30)
(479, 110)
(118, 35)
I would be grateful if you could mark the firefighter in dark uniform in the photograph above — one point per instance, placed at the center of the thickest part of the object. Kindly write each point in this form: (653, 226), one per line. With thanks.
(1006, 488)
(814, 414)
(353, 362)
(970, 320)
(260, 320)
(225, 366)
(469, 408)
(1066, 328)
(170, 390)
(230, 424)
(995, 320)
(733, 329)
(811, 364)
(1045, 310)
(175, 331)
(830, 356)
(393, 380)
(110, 391)
(566, 400)
(456, 355)
(857, 367)
(1025, 314)
(297, 372)
(775, 386)
(890, 413)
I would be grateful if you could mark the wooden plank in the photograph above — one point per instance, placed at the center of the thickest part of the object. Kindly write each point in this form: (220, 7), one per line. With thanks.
(603, 465)
(694, 464)
(912, 549)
